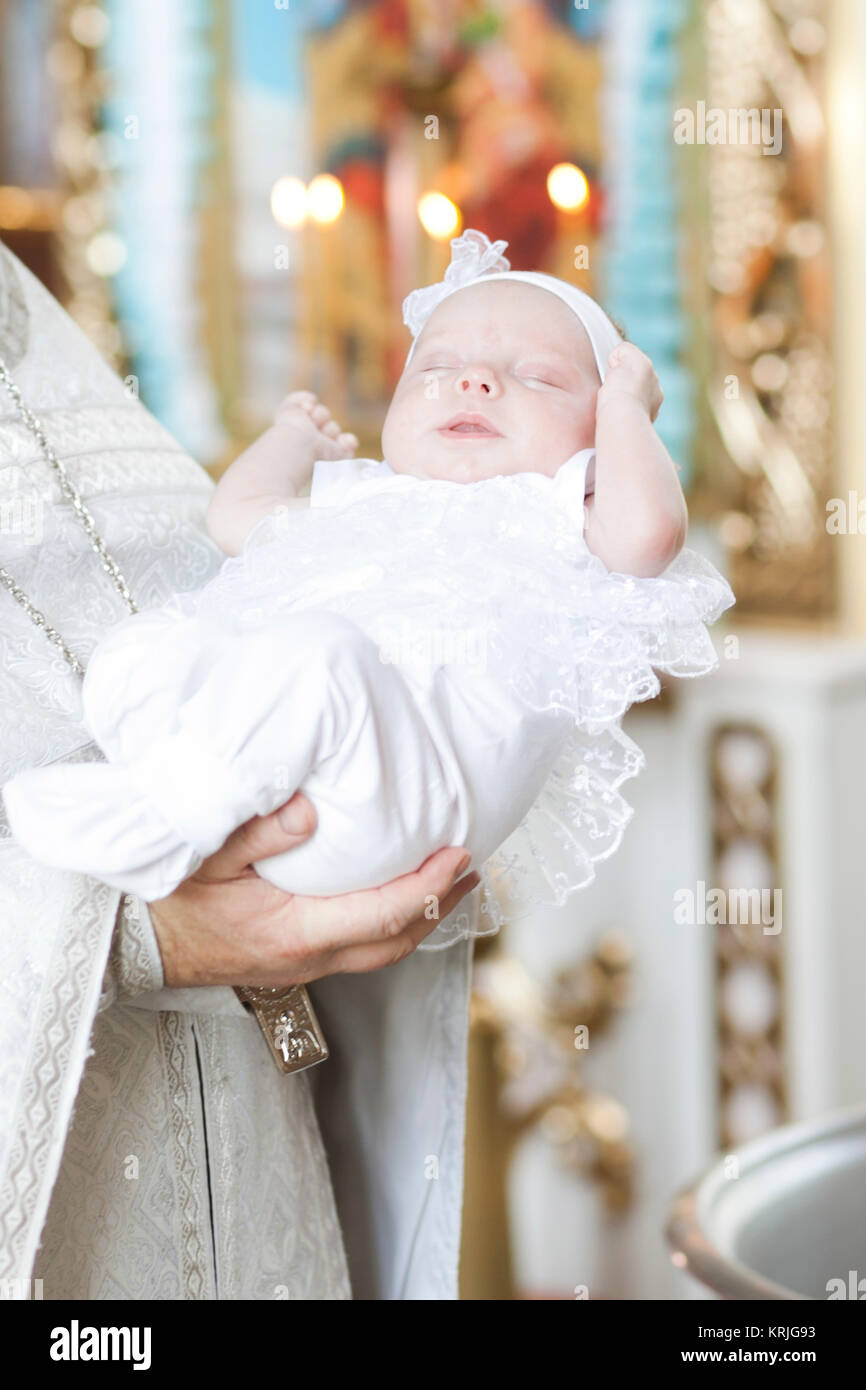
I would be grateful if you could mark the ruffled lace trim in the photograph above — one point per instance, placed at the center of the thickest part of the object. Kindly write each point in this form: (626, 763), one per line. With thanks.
(577, 821)
(580, 816)
(498, 572)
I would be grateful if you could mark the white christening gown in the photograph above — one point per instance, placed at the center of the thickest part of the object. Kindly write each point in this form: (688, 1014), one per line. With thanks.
(433, 663)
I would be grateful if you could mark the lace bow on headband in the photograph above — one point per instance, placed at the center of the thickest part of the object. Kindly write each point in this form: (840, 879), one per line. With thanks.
(472, 255)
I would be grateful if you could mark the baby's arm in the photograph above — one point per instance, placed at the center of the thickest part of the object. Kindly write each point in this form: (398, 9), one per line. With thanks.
(270, 473)
(636, 519)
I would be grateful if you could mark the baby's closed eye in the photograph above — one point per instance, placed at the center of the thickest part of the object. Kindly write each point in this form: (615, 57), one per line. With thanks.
(544, 377)
(437, 366)
(547, 374)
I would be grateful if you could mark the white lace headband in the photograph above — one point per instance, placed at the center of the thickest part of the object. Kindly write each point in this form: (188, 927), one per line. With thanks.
(473, 258)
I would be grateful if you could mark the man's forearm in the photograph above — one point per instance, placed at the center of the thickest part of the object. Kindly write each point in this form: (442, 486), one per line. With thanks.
(637, 517)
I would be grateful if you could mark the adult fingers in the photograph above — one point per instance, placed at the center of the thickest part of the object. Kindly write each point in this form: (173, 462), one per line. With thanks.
(450, 901)
(421, 926)
(380, 914)
(377, 956)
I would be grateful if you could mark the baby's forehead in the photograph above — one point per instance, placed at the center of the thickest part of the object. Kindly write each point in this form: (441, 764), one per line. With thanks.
(506, 310)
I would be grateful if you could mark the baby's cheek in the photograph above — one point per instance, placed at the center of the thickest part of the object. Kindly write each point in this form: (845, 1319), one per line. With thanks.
(582, 431)
(406, 409)
(398, 434)
(565, 423)
(425, 408)
(392, 429)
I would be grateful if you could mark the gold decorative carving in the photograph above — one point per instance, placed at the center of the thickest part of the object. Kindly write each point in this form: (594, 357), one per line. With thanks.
(525, 1074)
(769, 378)
(749, 963)
(82, 157)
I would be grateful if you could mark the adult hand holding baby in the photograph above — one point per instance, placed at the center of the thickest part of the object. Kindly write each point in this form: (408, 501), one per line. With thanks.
(225, 925)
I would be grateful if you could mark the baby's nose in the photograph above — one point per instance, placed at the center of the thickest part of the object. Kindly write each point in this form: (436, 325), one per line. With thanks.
(482, 379)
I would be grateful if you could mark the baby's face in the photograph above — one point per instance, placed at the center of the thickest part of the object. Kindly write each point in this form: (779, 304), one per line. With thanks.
(514, 359)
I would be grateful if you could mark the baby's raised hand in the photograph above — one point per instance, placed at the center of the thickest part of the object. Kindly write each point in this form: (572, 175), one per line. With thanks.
(304, 412)
(631, 373)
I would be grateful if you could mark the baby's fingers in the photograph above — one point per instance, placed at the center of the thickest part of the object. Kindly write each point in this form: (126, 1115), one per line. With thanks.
(304, 400)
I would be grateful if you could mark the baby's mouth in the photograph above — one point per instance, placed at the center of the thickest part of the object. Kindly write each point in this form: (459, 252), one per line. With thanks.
(470, 425)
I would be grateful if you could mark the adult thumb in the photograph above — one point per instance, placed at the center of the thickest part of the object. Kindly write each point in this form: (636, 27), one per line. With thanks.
(263, 836)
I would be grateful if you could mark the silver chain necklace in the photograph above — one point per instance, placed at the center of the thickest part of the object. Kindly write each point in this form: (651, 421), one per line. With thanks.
(285, 1016)
(69, 491)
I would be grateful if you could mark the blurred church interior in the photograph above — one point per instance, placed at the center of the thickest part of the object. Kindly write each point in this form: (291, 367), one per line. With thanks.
(233, 200)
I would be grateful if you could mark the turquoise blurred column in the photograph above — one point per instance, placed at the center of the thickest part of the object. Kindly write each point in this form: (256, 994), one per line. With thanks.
(158, 115)
(640, 281)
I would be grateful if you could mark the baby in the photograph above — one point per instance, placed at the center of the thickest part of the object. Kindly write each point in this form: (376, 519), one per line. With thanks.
(436, 647)
(501, 380)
